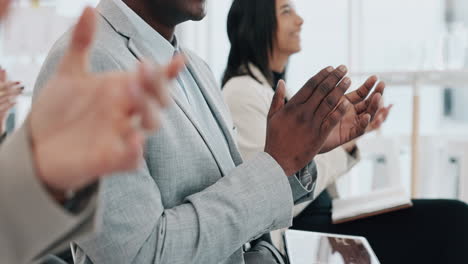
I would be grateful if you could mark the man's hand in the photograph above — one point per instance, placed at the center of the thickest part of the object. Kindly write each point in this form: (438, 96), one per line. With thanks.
(8, 93)
(357, 119)
(84, 126)
(380, 117)
(296, 131)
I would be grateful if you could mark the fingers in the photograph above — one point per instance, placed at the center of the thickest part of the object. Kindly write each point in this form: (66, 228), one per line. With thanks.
(361, 94)
(334, 98)
(150, 116)
(145, 112)
(308, 89)
(370, 106)
(387, 112)
(380, 117)
(175, 66)
(8, 99)
(363, 124)
(127, 93)
(75, 59)
(124, 137)
(373, 105)
(328, 87)
(156, 81)
(380, 88)
(335, 117)
(375, 124)
(9, 91)
(278, 99)
(10, 88)
(6, 107)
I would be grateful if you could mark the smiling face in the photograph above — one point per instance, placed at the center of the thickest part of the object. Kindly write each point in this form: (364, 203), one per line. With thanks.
(288, 34)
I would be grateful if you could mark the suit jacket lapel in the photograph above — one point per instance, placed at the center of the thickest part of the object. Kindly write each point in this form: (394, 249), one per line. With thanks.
(118, 20)
(216, 106)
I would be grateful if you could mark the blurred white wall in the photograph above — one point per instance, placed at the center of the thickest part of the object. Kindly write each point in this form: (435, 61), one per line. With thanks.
(27, 36)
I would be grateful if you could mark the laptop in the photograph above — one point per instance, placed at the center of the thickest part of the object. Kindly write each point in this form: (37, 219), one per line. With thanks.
(320, 248)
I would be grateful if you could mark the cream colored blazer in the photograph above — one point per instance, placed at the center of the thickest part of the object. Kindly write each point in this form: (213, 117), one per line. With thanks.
(249, 102)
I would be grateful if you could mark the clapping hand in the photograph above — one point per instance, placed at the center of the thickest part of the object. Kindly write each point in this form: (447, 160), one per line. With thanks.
(359, 116)
(296, 131)
(83, 125)
(9, 91)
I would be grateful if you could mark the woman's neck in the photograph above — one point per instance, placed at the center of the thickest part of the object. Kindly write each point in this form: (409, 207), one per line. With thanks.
(278, 62)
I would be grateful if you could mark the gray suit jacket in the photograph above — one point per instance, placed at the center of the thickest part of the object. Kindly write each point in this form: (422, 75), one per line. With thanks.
(32, 225)
(181, 205)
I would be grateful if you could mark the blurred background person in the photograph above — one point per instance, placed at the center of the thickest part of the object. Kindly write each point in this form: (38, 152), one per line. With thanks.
(260, 51)
(9, 91)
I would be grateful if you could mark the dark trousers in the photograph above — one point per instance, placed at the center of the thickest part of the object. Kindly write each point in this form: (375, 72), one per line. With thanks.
(260, 255)
(432, 231)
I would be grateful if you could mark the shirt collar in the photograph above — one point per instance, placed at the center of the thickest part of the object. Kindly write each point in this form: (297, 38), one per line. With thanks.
(162, 49)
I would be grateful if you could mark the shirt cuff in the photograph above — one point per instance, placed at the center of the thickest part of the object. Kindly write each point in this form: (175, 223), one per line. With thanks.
(353, 158)
(303, 183)
(34, 218)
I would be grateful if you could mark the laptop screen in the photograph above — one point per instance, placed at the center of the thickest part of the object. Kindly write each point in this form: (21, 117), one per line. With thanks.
(320, 248)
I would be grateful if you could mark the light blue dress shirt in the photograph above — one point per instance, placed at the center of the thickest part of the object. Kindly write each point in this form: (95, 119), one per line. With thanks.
(163, 51)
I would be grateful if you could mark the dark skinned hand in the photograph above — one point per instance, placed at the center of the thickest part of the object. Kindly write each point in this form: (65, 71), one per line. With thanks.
(296, 131)
(357, 119)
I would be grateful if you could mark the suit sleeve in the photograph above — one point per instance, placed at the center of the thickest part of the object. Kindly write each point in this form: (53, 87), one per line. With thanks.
(249, 108)
(208, 227)
(32, 224)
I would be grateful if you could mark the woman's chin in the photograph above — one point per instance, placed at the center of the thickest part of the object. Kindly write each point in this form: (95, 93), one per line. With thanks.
(296, 49)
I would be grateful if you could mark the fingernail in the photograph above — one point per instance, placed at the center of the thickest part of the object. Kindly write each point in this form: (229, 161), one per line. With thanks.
(343, 68)
(330, 69)
(278, 84)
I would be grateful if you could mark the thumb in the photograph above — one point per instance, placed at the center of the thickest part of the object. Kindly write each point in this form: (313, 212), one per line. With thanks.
(75, 59)
(278, 99)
